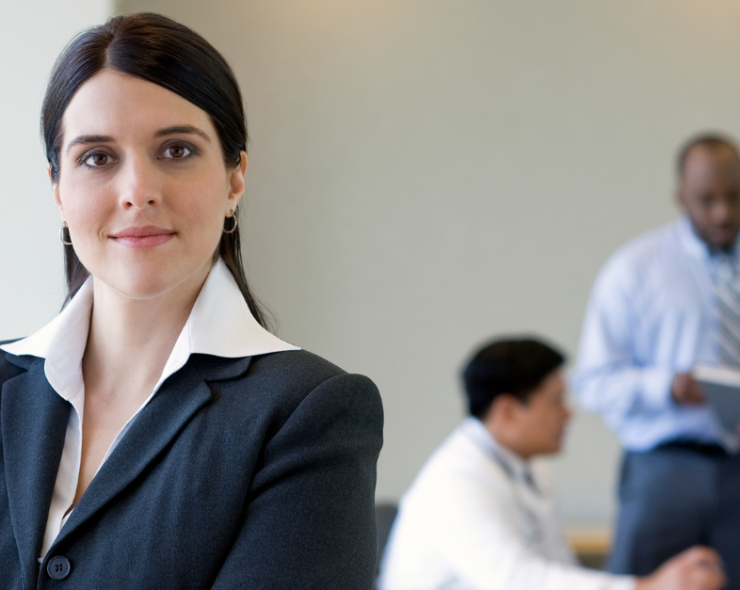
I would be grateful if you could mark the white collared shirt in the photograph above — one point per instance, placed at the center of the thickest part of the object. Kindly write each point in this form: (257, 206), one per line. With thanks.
(474, 520)
(220, 324)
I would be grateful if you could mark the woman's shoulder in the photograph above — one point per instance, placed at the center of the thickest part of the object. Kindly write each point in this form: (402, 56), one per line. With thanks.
(302, 372)
(298, 391)
(281, 381)
(292, 364)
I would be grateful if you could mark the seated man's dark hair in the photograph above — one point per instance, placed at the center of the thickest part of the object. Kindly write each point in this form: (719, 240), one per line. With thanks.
(512, 366)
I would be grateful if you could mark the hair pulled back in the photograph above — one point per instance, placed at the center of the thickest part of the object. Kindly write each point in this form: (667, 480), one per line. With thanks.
(159, 50)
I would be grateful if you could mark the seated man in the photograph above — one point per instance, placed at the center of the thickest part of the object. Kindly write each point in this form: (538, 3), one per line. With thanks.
(476, 518)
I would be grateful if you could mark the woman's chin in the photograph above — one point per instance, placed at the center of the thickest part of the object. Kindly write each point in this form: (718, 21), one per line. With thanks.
(148, 282)
(139, 287)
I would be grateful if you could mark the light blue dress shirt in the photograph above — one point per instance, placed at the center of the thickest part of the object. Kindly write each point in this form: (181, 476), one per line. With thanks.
(652, 313)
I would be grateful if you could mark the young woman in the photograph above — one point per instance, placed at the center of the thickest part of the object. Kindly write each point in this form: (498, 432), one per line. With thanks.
(155, 434)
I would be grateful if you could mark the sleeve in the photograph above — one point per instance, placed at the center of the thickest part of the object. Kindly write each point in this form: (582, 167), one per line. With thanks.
(483, 542)
(310, 520)
(608, 379)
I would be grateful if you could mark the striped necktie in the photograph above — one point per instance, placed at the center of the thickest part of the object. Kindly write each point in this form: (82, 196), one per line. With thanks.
(728, 301)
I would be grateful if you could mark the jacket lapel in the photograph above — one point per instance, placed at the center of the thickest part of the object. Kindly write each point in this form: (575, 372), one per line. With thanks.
(33, 420)
(216, 368)
(179, 399)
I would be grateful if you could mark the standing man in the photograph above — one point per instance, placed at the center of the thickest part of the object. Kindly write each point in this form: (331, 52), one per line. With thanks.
(664, 303)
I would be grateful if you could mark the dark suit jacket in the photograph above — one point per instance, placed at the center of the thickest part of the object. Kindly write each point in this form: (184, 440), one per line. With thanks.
(240, 473)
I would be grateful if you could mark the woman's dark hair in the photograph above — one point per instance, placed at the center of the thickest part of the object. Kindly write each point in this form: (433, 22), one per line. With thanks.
(157, 49)
(512, 366)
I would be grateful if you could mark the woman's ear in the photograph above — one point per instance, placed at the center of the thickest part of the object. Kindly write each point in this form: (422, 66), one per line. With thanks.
(236, 182)
(55, 193)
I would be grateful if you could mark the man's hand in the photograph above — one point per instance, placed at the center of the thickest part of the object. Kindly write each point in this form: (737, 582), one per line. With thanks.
(686, 390)
(698, 568)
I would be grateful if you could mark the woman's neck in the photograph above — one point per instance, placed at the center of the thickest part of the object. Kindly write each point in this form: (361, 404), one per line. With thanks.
(130, 340)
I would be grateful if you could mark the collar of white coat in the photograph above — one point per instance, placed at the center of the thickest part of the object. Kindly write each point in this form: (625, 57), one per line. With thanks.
(512, 463)
(220, 324)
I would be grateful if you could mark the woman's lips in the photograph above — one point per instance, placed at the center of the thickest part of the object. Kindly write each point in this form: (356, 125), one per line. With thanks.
(142, 237)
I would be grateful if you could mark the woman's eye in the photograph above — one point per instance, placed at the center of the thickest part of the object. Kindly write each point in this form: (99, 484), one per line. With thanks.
(96, 160)
(177, 152)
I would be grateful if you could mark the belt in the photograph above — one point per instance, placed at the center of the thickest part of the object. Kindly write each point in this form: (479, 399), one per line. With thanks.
(707, 449)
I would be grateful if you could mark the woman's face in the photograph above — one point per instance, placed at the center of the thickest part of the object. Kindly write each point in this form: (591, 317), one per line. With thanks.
(143, 185)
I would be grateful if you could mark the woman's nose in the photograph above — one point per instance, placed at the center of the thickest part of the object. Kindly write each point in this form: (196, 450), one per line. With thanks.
(139, 184)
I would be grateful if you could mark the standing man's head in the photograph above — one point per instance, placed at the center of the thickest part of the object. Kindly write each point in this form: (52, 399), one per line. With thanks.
(516, 389)
(709, 188)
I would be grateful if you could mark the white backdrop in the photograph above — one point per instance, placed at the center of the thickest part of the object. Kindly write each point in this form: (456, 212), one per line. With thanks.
(424, 174)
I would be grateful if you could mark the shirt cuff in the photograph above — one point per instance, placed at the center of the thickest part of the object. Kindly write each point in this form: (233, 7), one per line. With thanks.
(623, 583)
(612, 582)
(656, 387)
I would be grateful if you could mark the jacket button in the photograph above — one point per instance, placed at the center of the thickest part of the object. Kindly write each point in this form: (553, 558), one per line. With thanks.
(58, 568)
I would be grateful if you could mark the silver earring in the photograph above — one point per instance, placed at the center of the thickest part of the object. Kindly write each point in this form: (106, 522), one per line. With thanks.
(68, 241)
(233, 228)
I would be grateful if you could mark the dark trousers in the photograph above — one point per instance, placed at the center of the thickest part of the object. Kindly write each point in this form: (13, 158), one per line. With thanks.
(671, 498)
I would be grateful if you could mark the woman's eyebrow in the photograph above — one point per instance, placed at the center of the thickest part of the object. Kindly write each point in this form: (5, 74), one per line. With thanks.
(175, 129)
(83, 139)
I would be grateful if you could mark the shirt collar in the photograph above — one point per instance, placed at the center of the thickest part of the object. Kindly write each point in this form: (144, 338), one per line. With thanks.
(697, 247)
(513, 464)
(220, 324)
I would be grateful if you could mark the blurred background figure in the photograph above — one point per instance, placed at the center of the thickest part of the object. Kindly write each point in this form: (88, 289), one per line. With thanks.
(664, 303)
(478, 518)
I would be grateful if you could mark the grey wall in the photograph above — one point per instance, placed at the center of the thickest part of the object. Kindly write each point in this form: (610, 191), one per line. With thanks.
(427, 173)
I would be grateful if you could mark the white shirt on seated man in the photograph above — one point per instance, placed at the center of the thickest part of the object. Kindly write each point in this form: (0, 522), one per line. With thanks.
(476, 518)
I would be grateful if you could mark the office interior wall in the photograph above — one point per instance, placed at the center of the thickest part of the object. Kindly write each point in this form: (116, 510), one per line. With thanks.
(425, 174)
(32, 34)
